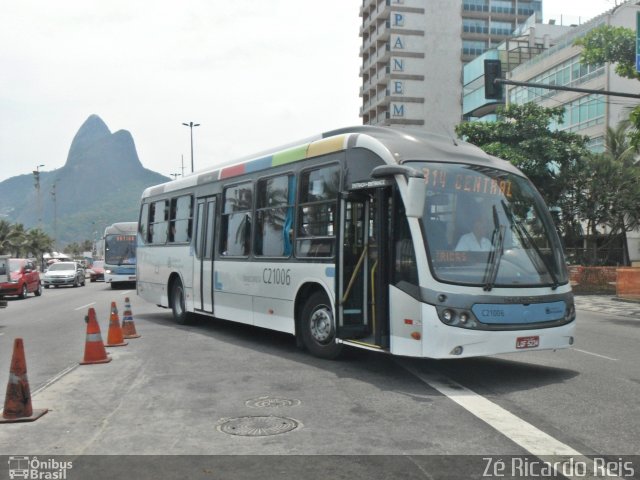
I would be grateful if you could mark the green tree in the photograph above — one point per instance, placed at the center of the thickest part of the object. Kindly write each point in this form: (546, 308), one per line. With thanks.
(610, 44)
(37, 243)
(606, 194)
(583, 189)
(73, 249)
(616, 45)
(6, 234)
(523, 136)
(16, 240)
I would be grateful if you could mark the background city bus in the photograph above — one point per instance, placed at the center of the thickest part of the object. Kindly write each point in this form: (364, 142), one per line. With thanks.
(120, 253)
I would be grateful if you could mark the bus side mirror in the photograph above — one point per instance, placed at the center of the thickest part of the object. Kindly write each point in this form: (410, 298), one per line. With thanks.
(416, 193)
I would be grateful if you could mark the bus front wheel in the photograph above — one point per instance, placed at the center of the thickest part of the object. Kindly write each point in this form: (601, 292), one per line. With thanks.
(318, 328)
(180, 314)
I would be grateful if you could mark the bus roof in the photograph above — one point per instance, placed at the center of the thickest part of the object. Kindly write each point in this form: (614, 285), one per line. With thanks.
(406, 144)
(121, 228)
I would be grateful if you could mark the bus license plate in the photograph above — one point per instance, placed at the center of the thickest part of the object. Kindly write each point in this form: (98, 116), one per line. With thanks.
(527, 342)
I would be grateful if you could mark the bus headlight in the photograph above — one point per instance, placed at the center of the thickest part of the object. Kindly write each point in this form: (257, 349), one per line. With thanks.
(457, 317)
(570, 314)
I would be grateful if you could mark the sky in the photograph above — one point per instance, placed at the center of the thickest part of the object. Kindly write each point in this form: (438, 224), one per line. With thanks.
(254, 74)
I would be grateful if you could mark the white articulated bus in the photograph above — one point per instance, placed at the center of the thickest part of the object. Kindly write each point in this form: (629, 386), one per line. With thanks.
(120, 253)
(363, 237)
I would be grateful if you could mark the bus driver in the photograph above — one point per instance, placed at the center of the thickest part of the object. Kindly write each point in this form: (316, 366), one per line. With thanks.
(476, 240)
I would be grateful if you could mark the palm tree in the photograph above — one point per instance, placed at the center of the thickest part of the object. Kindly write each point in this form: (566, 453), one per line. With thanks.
(620, 150)
(617, 144)
(16, 244)
(11, 238)
(37, 242)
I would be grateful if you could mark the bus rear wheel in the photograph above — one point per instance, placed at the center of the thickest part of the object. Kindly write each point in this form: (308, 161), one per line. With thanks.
(180, 314)
(318, 328)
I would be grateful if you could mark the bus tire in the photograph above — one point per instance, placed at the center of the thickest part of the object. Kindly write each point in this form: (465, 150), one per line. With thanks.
(180, 314)
(318, 328)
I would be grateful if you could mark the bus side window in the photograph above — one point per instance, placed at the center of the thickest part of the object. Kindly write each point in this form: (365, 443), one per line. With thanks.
(236, 219)
(158, 221)
(274, 216)
(143, 224)
(317, 212)
(180, 219)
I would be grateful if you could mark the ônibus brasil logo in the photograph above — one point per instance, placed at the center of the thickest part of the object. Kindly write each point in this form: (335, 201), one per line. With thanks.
(33, 468)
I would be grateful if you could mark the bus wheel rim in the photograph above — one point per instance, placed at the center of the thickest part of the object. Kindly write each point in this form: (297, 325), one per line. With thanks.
(321, 324)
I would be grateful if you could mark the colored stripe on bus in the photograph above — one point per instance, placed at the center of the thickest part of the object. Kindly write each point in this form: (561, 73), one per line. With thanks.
(260, 164)
(292, 155)
(326, 145)
(232, 171)
(295, 154)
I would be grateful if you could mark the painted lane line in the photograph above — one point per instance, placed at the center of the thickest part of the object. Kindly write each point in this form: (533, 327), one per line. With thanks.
(54, 379)
(595, 354)
(84, 306)
(126, 292)
(517, 430)
(559, 456)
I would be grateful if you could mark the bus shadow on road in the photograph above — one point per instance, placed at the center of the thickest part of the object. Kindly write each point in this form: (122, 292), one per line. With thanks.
(378, 369)
(492, 375)
(484, 375)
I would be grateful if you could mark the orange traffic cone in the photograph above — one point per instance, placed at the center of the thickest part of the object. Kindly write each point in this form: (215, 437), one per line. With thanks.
(94, 351)
(115, 337)
(128, 326)
(17, 404)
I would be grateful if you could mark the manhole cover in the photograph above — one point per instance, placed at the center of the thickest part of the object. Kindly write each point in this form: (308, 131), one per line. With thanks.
(257, 426)
(272, 402)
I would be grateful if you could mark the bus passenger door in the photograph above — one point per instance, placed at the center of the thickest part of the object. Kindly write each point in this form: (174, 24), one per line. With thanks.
(363, 279)
(203, 268)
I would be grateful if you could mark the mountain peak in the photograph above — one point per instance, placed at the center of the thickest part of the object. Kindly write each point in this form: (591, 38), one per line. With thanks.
(92, 130)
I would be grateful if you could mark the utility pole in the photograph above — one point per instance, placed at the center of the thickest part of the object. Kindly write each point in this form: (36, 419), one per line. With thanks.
(55, 215)
(36, 177)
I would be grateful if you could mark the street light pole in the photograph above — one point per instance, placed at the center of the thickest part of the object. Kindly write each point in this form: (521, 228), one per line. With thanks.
(191, 125)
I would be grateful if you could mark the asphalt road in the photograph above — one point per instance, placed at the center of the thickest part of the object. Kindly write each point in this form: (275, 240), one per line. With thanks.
(207, 389)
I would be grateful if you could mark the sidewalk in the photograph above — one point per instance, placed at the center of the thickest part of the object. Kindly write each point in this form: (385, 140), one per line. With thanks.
(609, 304)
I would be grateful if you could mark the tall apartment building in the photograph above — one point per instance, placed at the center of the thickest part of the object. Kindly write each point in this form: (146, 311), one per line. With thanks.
(413, 52)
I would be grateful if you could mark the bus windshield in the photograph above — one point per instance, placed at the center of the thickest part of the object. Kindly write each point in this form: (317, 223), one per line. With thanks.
(489, 228)
(120, 249)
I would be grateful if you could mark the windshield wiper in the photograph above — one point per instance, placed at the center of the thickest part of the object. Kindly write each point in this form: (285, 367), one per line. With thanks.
(497, 240)
(527, 239)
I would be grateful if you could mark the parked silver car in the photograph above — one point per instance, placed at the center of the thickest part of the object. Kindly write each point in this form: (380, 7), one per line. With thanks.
(64, 273)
